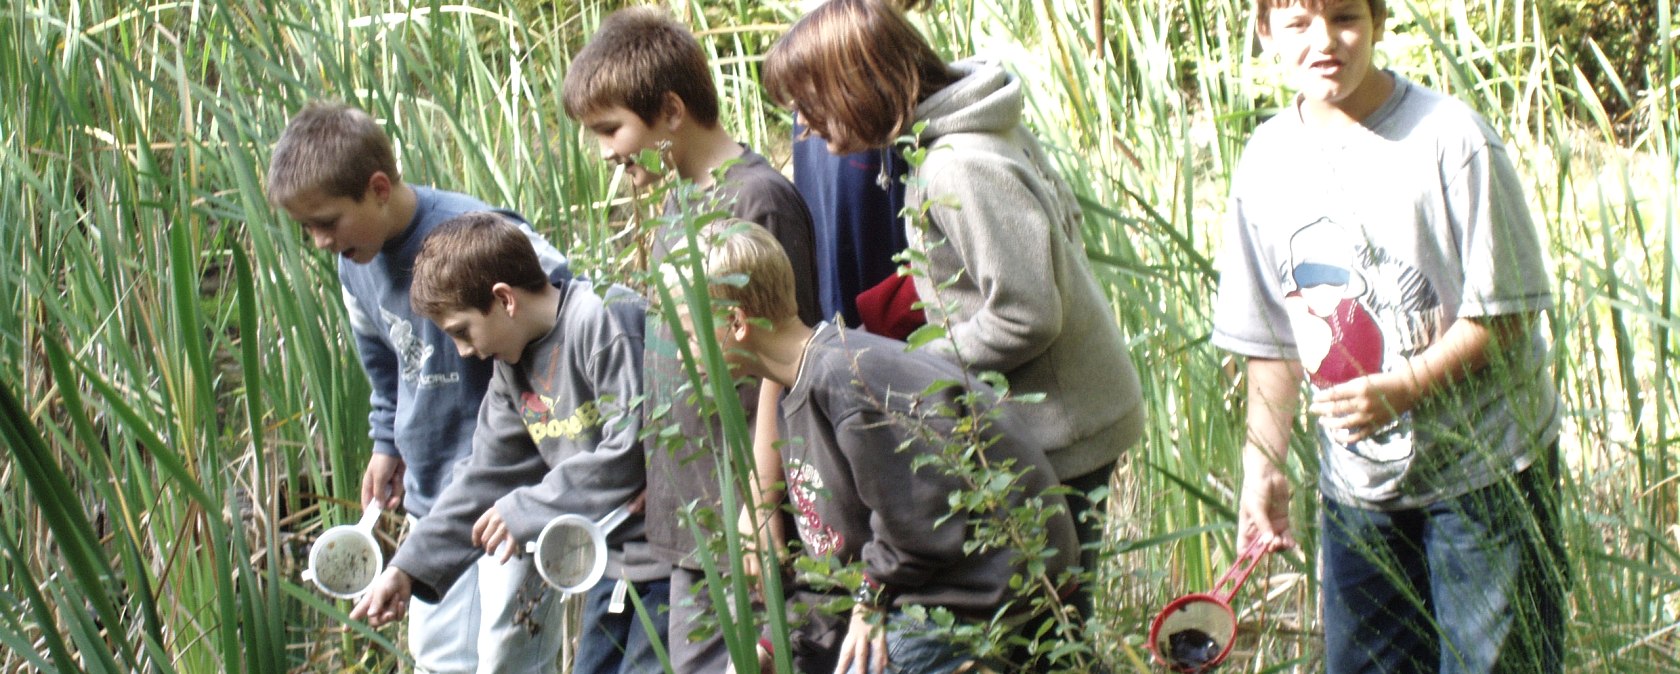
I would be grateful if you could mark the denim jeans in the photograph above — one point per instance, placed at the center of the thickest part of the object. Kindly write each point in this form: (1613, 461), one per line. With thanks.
(615, 643)
(1472, 585)
(915, 647)
(483, 624)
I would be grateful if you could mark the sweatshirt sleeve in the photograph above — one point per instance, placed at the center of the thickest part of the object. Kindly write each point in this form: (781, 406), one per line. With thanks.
(381, 365)
(1004, 238)
(593, 482)
(909, 543)
(440, 549)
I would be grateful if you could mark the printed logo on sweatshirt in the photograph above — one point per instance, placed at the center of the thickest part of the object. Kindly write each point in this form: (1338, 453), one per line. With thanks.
(538, 413)
(805, 486)
(413, 352)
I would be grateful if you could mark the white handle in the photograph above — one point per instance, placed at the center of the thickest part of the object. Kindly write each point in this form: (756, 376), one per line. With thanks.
(613, 519)
(370, 515)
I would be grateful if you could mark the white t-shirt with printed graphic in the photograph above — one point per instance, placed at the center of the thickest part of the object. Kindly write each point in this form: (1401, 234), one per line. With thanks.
(1352, 249)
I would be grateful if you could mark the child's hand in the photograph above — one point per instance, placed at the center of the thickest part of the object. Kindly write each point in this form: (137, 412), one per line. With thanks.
(1354, 410)
(1263, 514)
(765, 661)
(866, 642)
(491, 532)
(386, 600)
(383, 480)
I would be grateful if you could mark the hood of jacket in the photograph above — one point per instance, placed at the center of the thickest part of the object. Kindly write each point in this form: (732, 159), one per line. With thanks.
(987, 98)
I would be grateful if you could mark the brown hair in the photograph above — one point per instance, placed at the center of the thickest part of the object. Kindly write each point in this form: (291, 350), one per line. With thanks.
(464, 257)
(1263, 9)
(636, 57)
(735, 247)
(854, 70)
(331, 147)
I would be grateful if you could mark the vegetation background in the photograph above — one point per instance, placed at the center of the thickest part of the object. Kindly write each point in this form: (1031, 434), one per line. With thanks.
(182, 410)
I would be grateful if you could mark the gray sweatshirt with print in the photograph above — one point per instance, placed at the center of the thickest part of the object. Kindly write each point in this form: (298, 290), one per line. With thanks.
(557, 434)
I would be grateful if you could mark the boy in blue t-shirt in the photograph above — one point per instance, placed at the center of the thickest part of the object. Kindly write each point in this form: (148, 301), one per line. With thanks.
(334, 171)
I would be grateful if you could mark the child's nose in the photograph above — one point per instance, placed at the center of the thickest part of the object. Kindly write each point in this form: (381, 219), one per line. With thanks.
(322, 240)
(1321, 35)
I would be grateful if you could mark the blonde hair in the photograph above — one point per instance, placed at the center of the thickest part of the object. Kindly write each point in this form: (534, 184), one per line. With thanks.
(331, 147)
(736, 248)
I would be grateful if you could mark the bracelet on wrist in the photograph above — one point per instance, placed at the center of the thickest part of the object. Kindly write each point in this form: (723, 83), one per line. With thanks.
(872, 594)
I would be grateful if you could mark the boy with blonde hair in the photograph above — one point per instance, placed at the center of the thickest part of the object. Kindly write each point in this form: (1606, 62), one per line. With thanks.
(865, 417)
(335, 172)
(642, 83)
(1381, 252)
(557, 434)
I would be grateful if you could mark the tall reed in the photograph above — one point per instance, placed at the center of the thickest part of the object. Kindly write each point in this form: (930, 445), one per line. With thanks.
(182, 410)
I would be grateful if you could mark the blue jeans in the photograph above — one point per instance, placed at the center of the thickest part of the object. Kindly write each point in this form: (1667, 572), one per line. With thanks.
(1472, 585)
(915, 647)
(497, 619)
(614, 643)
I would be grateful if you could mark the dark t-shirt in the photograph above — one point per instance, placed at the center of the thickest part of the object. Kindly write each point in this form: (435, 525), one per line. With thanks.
(682, 469)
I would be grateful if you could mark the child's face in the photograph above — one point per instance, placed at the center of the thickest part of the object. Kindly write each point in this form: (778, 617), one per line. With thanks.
(622, 135)
(491, 334)
(1326, 54)
(355, 229)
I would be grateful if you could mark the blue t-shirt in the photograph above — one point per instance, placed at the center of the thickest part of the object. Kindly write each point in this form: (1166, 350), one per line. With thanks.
(855, 219)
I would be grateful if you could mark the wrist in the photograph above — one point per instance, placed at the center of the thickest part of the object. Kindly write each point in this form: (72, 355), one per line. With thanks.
(872, 595)
(1258, 461)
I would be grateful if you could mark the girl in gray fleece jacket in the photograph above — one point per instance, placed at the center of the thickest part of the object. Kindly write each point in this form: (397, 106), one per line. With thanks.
(1002, 264)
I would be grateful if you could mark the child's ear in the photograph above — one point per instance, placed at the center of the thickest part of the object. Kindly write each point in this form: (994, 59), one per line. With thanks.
(378, 187)
(740, 327)
(673, 110)
(504, 299)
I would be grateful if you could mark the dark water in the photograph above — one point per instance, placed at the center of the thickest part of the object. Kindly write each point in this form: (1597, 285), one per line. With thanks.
(1192, 649)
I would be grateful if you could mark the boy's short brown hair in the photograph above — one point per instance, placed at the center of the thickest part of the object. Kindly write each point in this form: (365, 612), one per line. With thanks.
(855, 71)
(737, 248)
(464, 257)
(331, 147)
(1263, 9)
(637, 56)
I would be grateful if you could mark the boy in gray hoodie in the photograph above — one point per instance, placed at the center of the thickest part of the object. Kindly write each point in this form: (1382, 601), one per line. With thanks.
(557, 432)
(868, 425)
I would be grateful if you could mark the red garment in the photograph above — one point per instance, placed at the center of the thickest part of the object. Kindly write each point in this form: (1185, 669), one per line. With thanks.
(1356, 346)
(887, 309)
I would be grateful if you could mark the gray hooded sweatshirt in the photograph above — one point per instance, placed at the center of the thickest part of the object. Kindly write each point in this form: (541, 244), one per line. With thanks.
(1025, 303)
